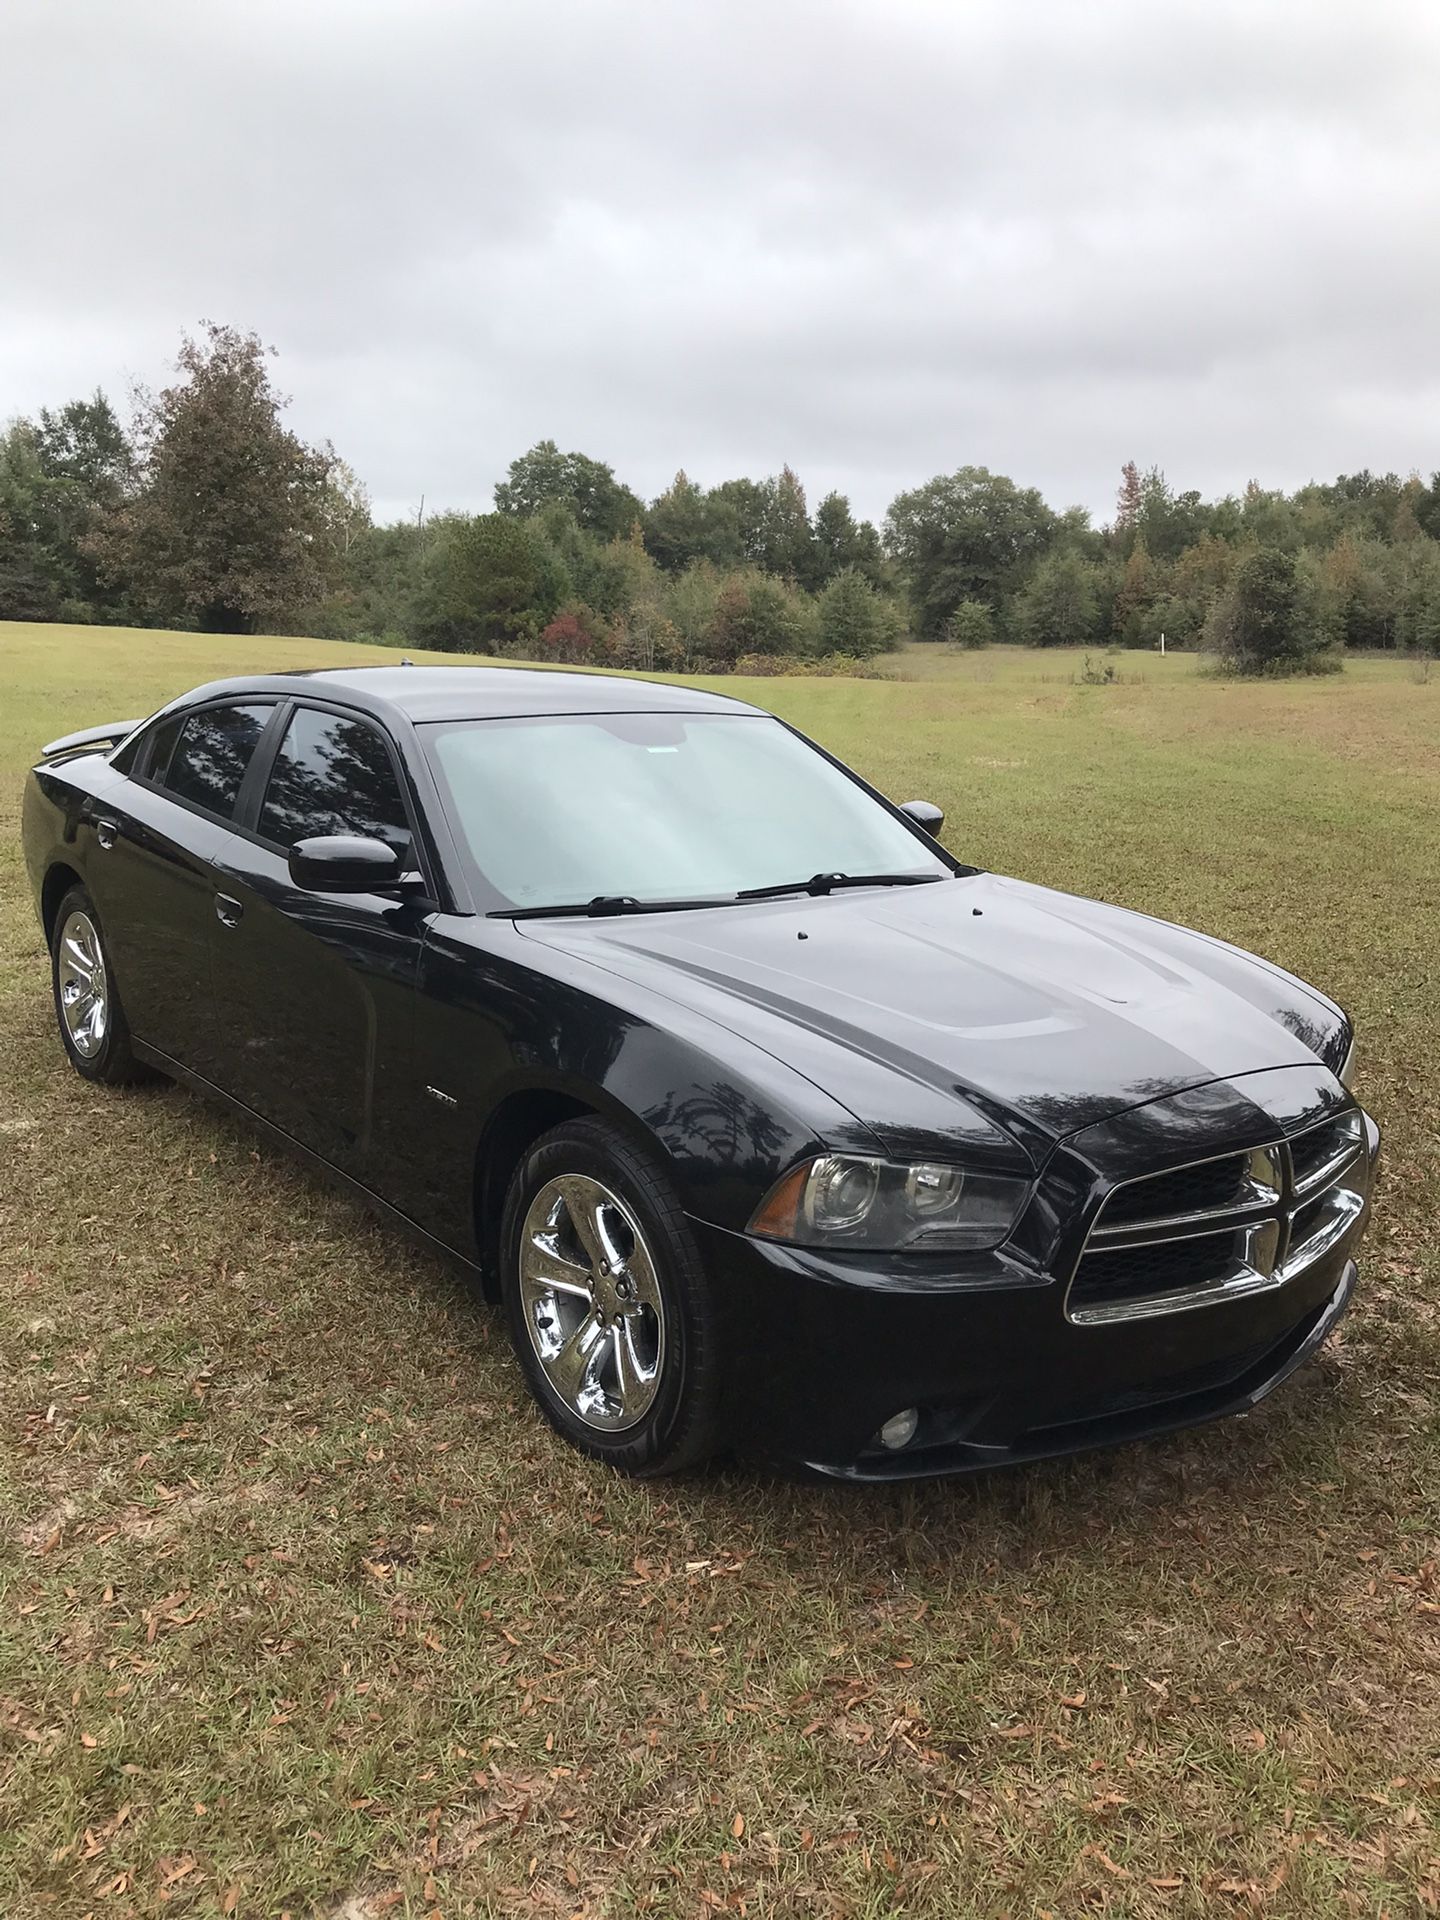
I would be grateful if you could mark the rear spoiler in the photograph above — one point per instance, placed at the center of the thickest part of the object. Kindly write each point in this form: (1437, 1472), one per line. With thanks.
(110, 736)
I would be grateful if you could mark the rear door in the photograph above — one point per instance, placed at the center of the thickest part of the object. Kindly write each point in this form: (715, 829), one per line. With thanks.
(315, 992)
(150, 871)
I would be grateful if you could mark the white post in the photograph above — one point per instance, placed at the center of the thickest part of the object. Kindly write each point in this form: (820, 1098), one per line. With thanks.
(1162, 642)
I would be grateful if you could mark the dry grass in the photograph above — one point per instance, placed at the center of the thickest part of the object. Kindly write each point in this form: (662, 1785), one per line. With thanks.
(301, 1609)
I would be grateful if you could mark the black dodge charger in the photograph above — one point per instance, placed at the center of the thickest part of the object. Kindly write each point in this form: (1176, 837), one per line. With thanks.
(771, 1123)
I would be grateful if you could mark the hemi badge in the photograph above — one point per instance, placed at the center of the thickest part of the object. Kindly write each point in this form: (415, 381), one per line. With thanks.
(445, 1099)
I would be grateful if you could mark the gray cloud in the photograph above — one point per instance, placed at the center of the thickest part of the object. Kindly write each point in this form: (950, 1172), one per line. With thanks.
(875, 238)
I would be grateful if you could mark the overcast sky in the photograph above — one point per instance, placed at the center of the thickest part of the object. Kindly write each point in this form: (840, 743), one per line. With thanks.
(878, 239)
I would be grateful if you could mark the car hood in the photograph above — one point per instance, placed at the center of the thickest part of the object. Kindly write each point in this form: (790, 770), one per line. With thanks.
(1040, 1010)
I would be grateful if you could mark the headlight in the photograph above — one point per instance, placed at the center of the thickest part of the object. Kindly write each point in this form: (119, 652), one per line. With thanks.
(1347, 1068)
(845, 1200)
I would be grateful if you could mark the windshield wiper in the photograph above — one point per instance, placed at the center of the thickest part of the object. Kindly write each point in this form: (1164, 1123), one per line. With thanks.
(610, 905)
(828, 882)
(603, 906)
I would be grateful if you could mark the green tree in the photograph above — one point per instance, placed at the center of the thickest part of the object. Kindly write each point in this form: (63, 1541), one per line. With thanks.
(1262, 623)
(853, 618)
(1418, 622)
(1362, 589)
(841, 541)
(60, 478)
(84, 448)
(598, 502)
(375, 588)
(970, 535)
(30, 588)
(756, 612)
(1269, 518)
(1058, 606)
(787, 544)
(1141, 585)
(1128, 500)
(735, 523)
(689, 602)
(490, 585)
(971, 626)
(227, 527)
(677, 526)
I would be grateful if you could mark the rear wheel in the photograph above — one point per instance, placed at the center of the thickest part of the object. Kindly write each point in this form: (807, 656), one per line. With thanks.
(611, 1313)
(87, 1003)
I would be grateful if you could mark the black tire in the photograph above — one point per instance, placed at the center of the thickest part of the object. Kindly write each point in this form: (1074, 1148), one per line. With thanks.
(680, 1427)
(110, 1060)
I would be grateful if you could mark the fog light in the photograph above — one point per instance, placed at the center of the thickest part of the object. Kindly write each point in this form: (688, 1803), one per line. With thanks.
(899, 1430)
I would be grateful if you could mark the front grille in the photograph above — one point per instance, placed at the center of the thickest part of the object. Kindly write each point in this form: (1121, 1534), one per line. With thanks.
(1307, 1219)
(1197, 1189)
(1231, 1224)
(1130, 1273)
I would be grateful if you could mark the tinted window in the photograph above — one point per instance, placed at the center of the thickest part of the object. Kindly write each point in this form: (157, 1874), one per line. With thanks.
(333, 775)
(161, 745)
(211, 755)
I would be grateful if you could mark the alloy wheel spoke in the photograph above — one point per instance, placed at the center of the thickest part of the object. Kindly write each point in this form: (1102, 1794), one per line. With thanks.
(628, 1361)
(570, 1366)
(585, 1206)
(78, 957)
(623, 1381)
(641, 1276)
(548, 1271)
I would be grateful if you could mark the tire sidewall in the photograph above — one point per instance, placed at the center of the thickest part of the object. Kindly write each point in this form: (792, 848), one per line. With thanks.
(114, 1052)
(672, 1432)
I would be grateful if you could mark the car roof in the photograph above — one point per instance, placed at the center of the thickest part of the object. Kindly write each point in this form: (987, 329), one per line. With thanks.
(478, 693)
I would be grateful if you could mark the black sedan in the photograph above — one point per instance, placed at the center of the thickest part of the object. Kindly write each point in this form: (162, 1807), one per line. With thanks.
(772, 1124)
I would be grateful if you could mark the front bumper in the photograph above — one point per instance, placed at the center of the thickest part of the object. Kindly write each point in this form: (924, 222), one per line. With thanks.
(825, 1353)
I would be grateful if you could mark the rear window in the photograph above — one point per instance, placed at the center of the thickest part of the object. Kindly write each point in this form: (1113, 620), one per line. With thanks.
(206, 761)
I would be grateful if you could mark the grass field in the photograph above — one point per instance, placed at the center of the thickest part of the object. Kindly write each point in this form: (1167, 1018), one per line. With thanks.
(303, 1611)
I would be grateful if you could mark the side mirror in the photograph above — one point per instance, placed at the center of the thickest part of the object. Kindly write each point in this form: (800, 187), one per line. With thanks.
(924, 815)
(344, 863)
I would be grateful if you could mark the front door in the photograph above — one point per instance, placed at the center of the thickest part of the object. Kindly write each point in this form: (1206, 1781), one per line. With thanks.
(315, 992)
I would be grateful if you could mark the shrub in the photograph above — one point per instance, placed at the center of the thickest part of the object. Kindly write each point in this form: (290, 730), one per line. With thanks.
(755, 613)
(1098, 673)
(576, 636)
(971, 626)
(1266, 622)
(854, 619)
(1059, 605)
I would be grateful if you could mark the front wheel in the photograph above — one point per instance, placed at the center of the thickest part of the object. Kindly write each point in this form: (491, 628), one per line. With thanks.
(610, 1310)
(87, 1003)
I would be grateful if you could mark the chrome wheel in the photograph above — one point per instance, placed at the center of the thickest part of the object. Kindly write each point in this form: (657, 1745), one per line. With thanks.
(82, 985)
(592, 1303)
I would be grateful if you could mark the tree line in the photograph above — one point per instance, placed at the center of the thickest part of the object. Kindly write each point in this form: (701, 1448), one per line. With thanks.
(208, 512)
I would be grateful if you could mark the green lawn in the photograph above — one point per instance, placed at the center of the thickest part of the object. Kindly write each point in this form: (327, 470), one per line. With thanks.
(303, 1610)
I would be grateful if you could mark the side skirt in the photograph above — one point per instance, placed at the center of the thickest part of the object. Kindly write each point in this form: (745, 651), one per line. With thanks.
(314, 1162)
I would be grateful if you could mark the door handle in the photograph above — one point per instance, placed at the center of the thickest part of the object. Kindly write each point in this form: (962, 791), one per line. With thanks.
(227, 911)
(105, 832)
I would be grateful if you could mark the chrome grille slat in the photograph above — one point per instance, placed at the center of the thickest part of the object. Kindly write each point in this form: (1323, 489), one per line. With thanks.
(1326, 1175)
(1177, 1226)
(1279, 1222)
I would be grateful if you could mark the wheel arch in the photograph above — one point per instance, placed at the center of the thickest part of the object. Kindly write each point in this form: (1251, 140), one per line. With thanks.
(513, 1126)
(60, 877)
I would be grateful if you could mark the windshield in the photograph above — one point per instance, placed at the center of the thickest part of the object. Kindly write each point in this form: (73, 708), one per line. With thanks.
(656, 806)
